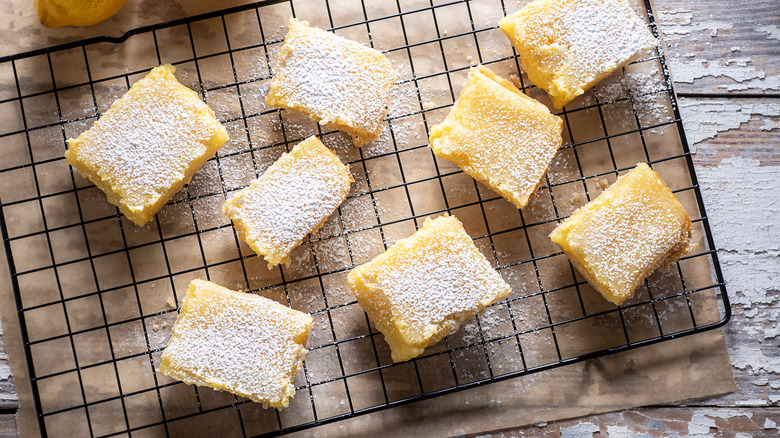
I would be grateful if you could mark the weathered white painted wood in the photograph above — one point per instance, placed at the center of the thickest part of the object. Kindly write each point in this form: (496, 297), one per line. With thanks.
(7, 426)
(743, 203)
(7, 391)
(715, 47)
(657, 422)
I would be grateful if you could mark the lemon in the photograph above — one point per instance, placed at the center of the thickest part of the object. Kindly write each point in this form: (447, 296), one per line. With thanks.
(58, 13)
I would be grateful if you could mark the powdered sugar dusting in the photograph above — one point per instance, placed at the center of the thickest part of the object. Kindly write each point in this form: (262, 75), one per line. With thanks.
(243, 343)
(616, 230)
(601, 35)
(333, 79)
(633, 228)
(148, 141)
(576, 43)
(441, 278)
(639, 83)
(431, 281)
(291, 199)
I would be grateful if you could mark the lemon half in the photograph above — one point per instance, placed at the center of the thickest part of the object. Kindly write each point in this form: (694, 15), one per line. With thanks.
(58, 13)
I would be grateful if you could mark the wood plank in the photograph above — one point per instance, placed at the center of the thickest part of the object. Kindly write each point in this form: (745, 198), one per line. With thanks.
(719, 47)
(657, 422)
(8, 426)
(8, 398)
(650, 421)
(732, 127)
(738, 127)
(742, 196)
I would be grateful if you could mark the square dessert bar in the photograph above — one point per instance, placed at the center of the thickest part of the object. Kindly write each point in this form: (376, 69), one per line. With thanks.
(425, 286)
(148, 144)
(635, 227)
(332, 80)
(566, 46)
(291, 199)
(237, 342)
(499, 136)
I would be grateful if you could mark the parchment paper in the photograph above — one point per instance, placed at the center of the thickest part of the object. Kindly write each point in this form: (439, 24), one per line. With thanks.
(691, 367)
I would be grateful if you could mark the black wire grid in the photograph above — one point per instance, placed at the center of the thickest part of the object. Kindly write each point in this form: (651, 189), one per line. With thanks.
(97, 296)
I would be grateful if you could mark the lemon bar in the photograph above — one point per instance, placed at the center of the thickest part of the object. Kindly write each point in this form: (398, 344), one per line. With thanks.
(237, 342)
(499, 136)
(148, 144)
(291, 199)
(567, 46)
(425, 286)
(633, 228)
(332, 80)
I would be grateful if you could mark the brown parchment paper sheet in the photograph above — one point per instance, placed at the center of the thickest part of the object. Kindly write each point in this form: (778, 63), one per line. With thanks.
(686, 368)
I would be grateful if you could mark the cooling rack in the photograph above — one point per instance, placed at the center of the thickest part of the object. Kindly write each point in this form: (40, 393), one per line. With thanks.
(97, 296)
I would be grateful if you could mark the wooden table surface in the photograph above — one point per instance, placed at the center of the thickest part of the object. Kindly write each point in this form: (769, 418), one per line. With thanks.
(725, 60)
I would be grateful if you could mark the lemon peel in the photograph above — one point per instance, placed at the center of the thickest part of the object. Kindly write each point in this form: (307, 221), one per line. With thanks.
(58, 13)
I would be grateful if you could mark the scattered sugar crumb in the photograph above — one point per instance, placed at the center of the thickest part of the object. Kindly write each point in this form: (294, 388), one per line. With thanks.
(403, 100)
(515, 80)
